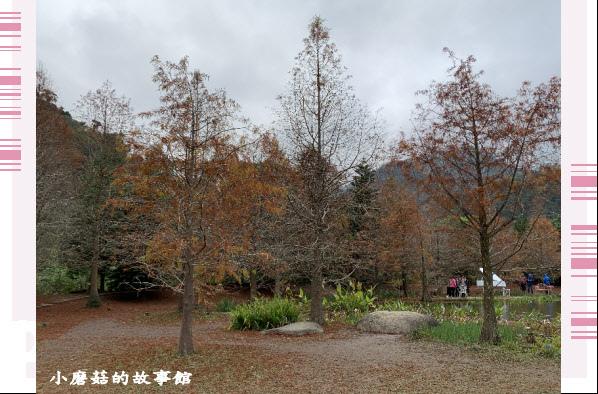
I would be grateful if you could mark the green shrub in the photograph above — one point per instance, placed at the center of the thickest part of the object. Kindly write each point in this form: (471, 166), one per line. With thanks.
(265, 313)
(353, 299)
(57, 279)
(93, 302)
(226, 305)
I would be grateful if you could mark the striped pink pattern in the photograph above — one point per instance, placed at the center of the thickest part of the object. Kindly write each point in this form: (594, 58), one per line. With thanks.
(580, 263)
(583, 181)
(583, 321)
(10, 155)
(10, 80)
(583, 227)
(10, 27)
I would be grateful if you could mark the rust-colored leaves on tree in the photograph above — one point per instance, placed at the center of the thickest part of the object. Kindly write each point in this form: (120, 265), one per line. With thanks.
(181, 183)
(479, 152)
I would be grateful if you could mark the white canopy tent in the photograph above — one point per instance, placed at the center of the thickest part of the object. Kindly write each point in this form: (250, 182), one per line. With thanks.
(497, 282)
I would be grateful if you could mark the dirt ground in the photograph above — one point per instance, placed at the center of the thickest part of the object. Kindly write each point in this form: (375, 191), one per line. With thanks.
(121, 337)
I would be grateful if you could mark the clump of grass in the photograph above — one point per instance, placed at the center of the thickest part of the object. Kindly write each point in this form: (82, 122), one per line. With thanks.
(353, 299)
(264, 313)
(468, 333)
(450, 332)
(226, 305)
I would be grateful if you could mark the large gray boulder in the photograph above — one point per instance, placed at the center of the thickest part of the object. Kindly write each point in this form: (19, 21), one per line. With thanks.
(388, 322)
(300, 328)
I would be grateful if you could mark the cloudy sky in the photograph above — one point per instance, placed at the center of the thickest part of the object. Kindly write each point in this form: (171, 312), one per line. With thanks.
(392, 48)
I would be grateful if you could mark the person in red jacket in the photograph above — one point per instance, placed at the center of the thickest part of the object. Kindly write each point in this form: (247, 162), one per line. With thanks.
(453, 287)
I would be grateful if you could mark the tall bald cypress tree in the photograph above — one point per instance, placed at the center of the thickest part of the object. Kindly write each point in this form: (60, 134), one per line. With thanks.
(328, 133)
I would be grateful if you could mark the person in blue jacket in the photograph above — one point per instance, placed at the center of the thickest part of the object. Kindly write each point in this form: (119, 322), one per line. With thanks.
(546, 280)
(530, 284)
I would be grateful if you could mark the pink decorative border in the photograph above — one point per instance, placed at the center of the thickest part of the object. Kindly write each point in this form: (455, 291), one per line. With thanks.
(17, 136)
(578, 243)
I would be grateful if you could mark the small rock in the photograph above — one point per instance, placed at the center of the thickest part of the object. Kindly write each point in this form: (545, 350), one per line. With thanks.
(300, 328)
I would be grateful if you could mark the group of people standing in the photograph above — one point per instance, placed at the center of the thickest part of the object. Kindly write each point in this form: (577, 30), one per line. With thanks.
(456, 283)
(527, 284)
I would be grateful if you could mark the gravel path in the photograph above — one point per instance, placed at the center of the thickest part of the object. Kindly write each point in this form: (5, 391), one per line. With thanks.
(341, 359)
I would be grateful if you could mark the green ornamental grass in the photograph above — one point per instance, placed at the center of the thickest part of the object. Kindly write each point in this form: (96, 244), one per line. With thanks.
(265, 313)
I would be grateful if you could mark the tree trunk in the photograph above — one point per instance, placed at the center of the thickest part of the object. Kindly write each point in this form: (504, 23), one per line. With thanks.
(252, 285)
(404, 280)
(489, 332)
(103, 281)
(94, 298)
(424, 277)
(186, 338)
(277, 282)
(316, 314)
(180, 299)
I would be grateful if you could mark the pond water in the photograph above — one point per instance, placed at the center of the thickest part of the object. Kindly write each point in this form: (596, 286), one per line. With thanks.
(515, 307)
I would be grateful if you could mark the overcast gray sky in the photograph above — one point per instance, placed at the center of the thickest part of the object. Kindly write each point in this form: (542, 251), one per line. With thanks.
(392, 48)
